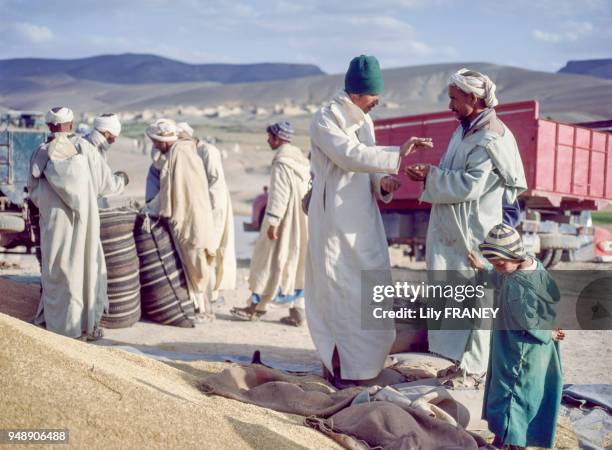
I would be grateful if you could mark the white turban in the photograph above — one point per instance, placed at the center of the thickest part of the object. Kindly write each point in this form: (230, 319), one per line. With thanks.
(472, 82)
(162, 130)
(58, 115)
(108, 122)
(183, 127)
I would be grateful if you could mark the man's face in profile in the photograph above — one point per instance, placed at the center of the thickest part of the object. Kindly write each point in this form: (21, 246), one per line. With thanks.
(460, 103)
(365, 102)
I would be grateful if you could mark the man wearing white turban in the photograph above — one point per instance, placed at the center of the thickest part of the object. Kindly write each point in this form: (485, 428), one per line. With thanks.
(67, 175)
(481, 166)
(184, 202)
(223, 274)
(106, 129)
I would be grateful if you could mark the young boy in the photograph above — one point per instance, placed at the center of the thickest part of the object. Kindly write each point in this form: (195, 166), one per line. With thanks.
(524, 380)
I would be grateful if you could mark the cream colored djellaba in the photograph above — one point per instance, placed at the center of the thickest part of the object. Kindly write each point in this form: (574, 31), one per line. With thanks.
(66, 177)
(346, 236)
(223, 275)
(278, 265)
(184, 201)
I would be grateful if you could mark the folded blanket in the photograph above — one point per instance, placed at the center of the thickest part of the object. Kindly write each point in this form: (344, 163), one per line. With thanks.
(269, 388)
(425, 420)
(386, 425)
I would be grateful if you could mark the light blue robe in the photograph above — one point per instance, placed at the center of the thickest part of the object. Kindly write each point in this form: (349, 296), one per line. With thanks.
(466, 191)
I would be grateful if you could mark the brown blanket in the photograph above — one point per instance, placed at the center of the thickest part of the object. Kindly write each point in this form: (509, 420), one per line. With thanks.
(385, 425)
(269, 388)
(378, 424)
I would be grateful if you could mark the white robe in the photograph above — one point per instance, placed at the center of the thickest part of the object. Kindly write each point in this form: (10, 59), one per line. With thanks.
(73, 270)
(223, 276)
(466, 191)
(113, 184)
(278, 266)
(346, 235)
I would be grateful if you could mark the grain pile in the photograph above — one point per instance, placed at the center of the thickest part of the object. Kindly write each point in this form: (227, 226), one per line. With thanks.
(112, 399)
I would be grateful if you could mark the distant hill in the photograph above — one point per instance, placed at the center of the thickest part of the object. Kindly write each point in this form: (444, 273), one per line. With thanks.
(601, 68)
(139, 69)
(408, 90)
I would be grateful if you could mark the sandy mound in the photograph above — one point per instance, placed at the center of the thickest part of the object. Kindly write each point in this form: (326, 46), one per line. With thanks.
(112, 399)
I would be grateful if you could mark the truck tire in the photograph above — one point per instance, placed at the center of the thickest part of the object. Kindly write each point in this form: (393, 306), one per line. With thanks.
(559, 241)
(11, 223)
(557, 254)
(550, 257)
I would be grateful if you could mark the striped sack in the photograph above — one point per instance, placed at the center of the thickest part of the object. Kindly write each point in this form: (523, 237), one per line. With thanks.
(117, 235)
(164, 294)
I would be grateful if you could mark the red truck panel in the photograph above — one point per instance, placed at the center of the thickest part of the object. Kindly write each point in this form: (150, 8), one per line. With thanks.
(608, 181)
(564, 164)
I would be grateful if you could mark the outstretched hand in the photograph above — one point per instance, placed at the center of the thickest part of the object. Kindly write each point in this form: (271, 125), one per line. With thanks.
(417, 172)
(390, 183)
(415, 143)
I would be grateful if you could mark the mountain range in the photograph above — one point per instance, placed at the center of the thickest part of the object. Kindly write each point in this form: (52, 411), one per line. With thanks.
(601, 68)
(139, 69)
(123, 84)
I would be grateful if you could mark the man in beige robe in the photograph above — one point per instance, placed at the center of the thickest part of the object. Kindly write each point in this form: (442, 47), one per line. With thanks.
(223, 272)
(183, 200)
(277, 265)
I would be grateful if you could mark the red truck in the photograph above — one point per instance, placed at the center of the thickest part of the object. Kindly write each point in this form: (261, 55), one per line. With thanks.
(568, 170)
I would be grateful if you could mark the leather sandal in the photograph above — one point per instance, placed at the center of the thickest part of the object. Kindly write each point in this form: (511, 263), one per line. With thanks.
(249, 313)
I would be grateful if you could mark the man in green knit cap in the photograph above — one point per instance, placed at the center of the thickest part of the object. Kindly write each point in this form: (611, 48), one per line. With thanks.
(345, 229)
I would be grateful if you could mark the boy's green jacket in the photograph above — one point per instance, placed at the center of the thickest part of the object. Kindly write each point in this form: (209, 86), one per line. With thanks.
(524, 379)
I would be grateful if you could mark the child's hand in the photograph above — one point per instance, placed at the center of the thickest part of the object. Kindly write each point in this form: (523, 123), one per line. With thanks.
(558, 334)
(475, 261)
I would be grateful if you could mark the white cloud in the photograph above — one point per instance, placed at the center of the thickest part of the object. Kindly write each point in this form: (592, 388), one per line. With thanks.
(545, 36)
(572, 32)
(35, 34)
(557, 8)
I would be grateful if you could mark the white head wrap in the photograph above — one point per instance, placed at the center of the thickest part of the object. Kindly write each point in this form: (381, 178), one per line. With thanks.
(183, 127)
(162, 130)
(472, 82)
(58, 115)
(108, 122)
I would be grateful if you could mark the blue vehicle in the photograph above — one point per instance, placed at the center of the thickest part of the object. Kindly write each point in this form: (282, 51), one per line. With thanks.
(16, 214)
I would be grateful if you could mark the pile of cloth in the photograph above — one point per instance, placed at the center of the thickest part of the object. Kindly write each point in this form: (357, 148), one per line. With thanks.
(415, 414)
(589, 409)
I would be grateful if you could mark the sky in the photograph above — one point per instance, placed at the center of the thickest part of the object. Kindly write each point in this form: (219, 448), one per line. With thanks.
(533, 34)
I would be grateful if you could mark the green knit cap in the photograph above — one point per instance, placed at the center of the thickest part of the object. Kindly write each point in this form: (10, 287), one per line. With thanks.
(363, 76)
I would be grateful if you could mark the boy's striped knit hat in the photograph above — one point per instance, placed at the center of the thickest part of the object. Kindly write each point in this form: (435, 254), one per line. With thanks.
(504, 242)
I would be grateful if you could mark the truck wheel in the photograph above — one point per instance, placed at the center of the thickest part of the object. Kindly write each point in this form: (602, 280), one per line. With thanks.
(11, 223)
(545, 256)
(550, 256)
(557, 254)
(561, 241)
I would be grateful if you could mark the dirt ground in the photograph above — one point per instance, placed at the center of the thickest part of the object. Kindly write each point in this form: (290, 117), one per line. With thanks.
(246, 164)
(586, 355)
